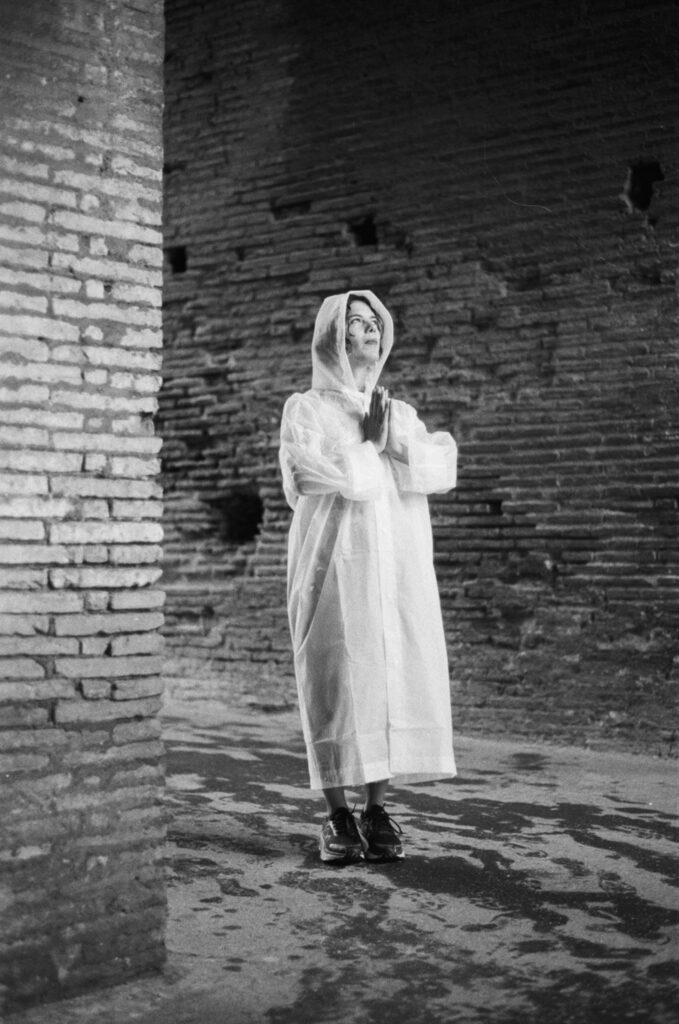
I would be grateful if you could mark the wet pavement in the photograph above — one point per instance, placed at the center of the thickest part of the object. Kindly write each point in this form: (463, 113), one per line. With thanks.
(541, 885)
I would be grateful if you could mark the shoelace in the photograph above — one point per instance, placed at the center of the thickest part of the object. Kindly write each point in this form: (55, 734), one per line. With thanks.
(380, 817)
(342, 821)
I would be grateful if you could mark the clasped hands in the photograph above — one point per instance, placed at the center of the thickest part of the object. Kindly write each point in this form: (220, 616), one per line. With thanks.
(376, 420)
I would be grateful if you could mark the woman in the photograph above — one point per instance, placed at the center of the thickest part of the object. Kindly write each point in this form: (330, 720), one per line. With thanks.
(363, 603)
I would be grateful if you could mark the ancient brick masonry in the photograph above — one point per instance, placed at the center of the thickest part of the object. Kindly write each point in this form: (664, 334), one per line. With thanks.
(81, 824)
(486, 169)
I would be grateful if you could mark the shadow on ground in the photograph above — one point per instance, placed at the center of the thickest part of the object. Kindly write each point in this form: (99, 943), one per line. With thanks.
(541, 885)
(520, 896)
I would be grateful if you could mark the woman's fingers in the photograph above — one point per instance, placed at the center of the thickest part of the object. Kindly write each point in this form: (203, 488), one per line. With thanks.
(376, 420)
(378, 410)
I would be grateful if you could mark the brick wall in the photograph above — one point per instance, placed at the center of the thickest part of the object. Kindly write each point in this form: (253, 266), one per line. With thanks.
(81, 826)
(485, 169)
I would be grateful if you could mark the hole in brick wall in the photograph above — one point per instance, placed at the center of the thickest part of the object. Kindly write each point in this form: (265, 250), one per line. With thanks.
(495, 506)
(638, 189)
(483, 320)
(281, 209)
(240, 515)
(299, 334)
(546, 354)
(364, 230)
(430, 343)
(397, 239)
(196, 442)
(147, 421)
(177, 258)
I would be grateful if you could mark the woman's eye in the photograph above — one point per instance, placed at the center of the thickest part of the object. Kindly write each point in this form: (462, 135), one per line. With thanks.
(367, 325)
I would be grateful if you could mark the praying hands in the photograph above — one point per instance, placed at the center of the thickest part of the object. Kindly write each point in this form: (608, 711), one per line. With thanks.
(376, 420)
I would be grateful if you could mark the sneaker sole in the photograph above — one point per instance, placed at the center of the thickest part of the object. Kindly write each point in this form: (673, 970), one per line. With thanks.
(340, 858)
(384, 855)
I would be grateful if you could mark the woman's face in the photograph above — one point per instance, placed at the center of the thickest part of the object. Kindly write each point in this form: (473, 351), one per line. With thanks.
(363, 334)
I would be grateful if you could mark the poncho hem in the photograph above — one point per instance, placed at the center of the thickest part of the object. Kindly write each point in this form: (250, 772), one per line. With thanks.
(362, 775)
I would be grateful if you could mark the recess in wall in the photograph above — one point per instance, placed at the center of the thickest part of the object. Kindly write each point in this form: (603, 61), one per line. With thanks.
(282, 209)
(364, 230)
(638, 188)
(240, 515)
(176, 257)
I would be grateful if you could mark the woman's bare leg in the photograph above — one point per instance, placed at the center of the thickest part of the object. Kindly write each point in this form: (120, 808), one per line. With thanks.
(335, 798)
(375, 793)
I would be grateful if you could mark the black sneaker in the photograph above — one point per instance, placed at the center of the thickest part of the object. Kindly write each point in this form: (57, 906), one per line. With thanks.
(381, 834)
(340, 839)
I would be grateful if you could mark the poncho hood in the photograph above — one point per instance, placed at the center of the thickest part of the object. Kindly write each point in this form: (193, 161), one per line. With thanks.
(330, 364)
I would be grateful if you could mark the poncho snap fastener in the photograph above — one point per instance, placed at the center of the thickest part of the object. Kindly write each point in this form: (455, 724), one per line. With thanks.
(363, 603)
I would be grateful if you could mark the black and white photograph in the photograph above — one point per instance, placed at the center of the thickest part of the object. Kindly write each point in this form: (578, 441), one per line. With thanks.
(339, 512)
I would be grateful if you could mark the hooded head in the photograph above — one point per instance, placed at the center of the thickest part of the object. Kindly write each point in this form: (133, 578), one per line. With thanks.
(331, 369)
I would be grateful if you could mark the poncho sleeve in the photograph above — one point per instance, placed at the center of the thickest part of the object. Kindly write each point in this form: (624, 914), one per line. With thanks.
(317, 458)
(420, 461)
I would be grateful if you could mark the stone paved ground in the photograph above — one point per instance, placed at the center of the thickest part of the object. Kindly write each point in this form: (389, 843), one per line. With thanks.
(541, 884)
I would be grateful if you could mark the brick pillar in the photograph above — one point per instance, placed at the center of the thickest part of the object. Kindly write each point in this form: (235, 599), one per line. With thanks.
(81, 825)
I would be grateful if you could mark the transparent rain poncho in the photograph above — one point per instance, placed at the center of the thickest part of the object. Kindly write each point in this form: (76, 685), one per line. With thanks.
(363, 603)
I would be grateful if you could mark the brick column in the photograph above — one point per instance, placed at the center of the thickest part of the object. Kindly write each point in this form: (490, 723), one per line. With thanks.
(81, 824)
